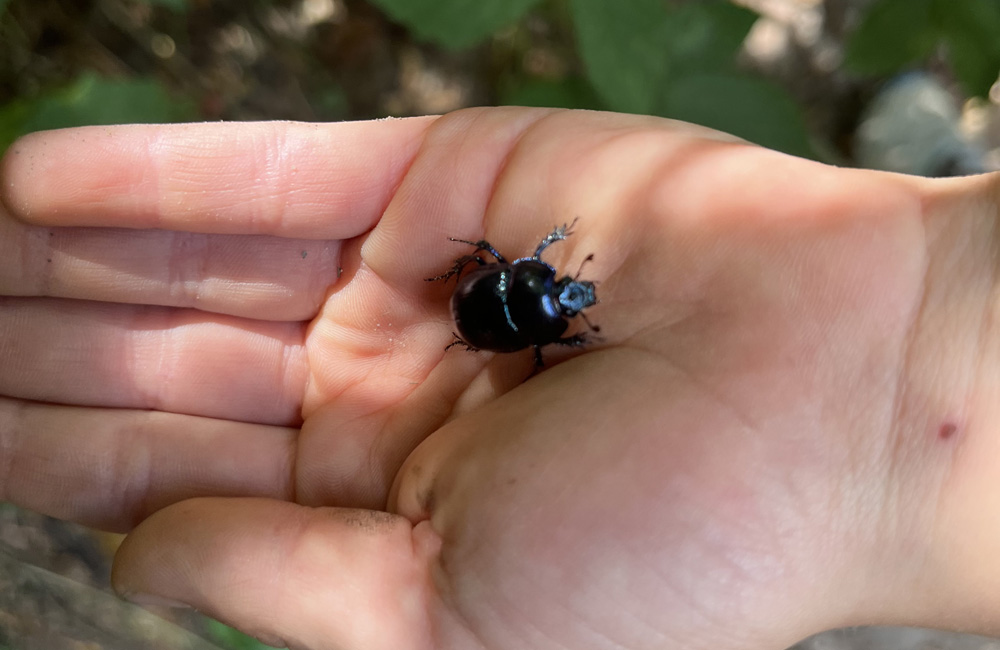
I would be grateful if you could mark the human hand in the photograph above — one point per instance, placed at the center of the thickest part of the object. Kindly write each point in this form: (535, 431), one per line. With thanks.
(788, 426)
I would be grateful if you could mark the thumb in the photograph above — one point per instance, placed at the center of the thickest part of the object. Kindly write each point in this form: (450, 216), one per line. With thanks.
(287, 574)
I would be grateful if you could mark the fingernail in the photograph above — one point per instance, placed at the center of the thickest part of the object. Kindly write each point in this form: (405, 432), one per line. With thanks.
(152, 600)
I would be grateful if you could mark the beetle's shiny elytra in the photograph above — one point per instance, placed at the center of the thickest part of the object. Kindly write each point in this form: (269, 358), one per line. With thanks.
(506, 306)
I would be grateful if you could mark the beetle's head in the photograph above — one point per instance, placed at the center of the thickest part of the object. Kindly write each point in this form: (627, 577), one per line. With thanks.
(575, 295)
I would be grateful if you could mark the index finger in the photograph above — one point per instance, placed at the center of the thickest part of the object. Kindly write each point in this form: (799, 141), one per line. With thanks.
(311, 181)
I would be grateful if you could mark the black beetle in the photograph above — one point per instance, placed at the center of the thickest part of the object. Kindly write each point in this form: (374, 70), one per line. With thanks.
(506, 306)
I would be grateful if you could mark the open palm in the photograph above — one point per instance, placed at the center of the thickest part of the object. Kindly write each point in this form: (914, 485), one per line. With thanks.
(221, 336)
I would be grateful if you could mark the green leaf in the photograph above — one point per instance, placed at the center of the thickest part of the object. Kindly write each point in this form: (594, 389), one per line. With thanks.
(3, 6)
(330, 102)
(625, 48)
(893, 35)
(230, 638)
(455, 24)
(571, 92)
(972, 31)
(13, 117)
(92, 100)
(748, 107)
(708, 34)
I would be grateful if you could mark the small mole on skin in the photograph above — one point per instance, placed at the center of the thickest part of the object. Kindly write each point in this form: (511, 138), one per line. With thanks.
(304, 254)
(947, 430)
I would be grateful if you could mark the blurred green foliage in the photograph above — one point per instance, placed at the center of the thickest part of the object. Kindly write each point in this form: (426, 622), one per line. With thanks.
(231, 639)
(673, 58)
(679, 61)
(641, 56)
(626, 53)
(455, 24)
(92, 100)
(764, 112)
(899, 34)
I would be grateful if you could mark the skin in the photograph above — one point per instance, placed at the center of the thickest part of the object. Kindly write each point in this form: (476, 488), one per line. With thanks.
(217, 337)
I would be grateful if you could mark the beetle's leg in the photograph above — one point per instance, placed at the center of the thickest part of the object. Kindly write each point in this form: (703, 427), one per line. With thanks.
(593, 328)
(558, 233)
(589, 258)
(575, 341)
(460, 341)
(482, 245)
(457, 268)
(539, 364)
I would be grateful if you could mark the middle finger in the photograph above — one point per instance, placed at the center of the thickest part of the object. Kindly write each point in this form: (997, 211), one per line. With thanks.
(255, 276)
(145, 357)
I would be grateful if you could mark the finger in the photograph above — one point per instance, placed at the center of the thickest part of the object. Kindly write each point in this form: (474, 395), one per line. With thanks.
(257, 277)
(287, 574)
(447, 191)
(314, 181)
(350, 454)
(511, 174)
(112, 468)
(175, 360)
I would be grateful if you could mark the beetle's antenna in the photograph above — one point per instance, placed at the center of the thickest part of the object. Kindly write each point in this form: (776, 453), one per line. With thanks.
(589, 258)
(593, 328)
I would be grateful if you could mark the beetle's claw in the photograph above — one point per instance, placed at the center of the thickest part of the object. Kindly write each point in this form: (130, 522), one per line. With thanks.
(558, 233)
(575, 341)
(567, 228)
(460, 341)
